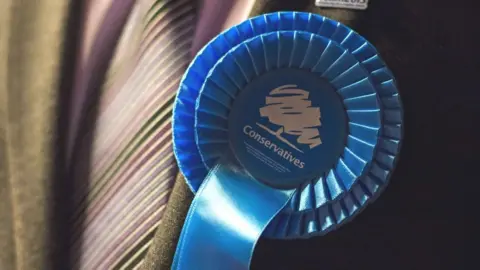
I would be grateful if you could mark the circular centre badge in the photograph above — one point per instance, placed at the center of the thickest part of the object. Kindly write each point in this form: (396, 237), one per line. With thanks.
(288, 126)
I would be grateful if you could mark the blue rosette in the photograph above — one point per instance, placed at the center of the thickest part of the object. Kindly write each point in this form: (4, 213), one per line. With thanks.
(321, 63)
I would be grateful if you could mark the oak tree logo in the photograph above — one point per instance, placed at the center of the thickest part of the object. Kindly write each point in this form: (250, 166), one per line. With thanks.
(289, 107)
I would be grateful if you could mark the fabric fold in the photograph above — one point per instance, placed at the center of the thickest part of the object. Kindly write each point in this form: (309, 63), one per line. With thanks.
(32, 38)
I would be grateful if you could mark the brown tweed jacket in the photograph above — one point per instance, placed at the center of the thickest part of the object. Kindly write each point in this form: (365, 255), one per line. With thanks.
(32, 38)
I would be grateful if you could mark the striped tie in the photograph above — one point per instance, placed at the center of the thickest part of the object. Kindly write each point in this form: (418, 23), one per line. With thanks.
(131, 168)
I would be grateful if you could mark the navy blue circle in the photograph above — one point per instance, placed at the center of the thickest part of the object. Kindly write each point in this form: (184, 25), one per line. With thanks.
(288, 126)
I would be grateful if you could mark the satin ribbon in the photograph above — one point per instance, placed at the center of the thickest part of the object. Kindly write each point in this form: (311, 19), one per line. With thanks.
(227, 217)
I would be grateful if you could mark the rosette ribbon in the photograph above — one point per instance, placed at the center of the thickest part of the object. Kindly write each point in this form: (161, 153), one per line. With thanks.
(286, 125)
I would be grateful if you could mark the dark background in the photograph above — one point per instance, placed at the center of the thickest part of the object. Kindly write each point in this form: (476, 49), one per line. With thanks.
(418, 222)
